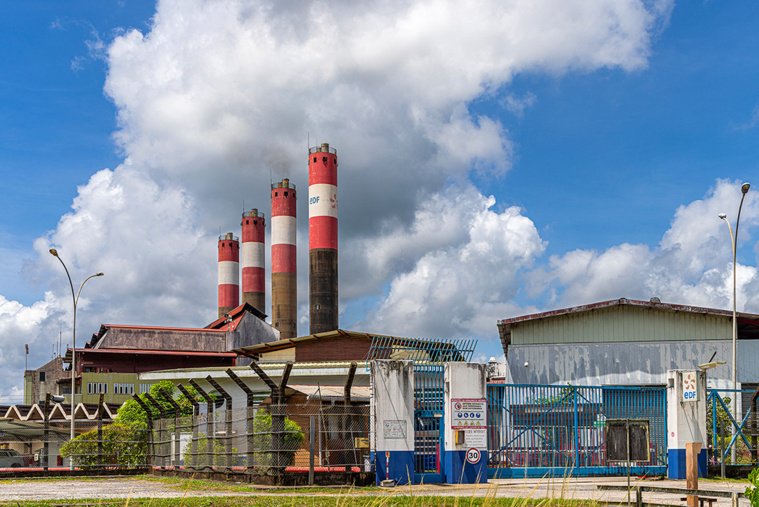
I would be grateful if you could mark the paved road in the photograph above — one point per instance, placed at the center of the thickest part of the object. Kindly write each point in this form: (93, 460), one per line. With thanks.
(135, 487)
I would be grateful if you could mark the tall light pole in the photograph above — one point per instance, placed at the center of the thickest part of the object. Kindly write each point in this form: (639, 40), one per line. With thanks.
(734, 239)
(54, 253)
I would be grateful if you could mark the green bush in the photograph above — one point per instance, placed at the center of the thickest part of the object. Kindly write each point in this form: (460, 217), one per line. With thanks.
(122, 446)
(752, 492)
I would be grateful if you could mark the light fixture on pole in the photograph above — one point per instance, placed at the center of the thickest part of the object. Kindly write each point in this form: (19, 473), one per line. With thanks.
(75, 299)
(734, 240)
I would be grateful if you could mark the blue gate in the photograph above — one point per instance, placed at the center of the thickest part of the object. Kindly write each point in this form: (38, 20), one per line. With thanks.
(429, 439)
(719, 401)
(534, 430)
(429, 358)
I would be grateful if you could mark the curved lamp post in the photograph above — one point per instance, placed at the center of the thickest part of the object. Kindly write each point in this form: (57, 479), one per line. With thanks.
(734, 239)
(54, 253)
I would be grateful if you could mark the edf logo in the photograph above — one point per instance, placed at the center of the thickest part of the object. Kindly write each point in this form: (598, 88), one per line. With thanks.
(313, 200)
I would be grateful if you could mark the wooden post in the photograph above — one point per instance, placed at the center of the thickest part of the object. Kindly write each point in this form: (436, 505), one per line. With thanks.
(691, 470)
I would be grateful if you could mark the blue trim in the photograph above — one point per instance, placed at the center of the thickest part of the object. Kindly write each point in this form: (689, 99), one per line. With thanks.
(676, 468)
(459, 471)
(428, 478)
(401, 467)
(518, 473)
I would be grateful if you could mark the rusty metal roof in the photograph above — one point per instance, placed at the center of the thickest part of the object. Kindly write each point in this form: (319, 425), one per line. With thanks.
(261, 348)
(748, 317)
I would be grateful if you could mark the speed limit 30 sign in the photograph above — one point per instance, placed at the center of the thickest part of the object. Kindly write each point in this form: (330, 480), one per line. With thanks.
(473, 456)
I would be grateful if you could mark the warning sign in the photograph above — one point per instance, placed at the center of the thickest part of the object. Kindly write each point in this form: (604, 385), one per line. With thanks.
(469, 414)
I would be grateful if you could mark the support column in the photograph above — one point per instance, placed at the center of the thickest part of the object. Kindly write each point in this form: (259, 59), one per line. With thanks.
(466, 440)
(686, 420)
(392, 407)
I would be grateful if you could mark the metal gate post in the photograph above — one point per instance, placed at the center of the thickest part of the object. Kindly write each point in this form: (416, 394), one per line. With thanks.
(161, 424)
(577, 427)
(210, 433)
(194, 422)
(100, 429)
(227, 420)
(176, 440)
(150, 458)
(250, 415)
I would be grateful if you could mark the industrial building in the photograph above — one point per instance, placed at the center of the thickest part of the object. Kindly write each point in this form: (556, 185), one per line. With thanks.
(628, 342)
(111, 361)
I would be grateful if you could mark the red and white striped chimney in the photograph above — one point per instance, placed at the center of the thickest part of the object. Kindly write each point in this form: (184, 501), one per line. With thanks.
(322, 239)
(253, 260)
(229, 274)
(284, 270)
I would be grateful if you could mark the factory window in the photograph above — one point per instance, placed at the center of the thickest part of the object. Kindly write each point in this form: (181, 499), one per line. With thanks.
(314, 159)
(145, 388)
(285, 194)
(120, 388)
(247, 222)
(97, 388)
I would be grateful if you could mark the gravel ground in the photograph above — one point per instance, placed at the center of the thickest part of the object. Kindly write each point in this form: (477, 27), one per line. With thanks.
(136, 487)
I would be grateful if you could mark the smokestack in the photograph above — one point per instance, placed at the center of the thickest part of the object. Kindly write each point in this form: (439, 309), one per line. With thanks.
(322, 239)
(253, 260)
(284, 270)
(229, 273)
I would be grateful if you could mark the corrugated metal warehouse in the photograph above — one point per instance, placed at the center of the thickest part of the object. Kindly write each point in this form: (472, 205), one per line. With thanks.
(628, 342)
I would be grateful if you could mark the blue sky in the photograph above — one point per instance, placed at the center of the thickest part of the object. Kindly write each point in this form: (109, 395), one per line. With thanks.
(541, 156)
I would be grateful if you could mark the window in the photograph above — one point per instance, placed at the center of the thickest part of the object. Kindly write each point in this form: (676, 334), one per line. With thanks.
(145, 388)
(42, 376)
(97, 388)
(121, 388)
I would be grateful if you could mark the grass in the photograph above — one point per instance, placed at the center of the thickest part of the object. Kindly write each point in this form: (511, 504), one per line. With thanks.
(234, 495)
(316, 501)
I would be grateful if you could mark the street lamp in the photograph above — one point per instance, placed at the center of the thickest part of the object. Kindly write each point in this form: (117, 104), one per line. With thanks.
(54, 253)
(734, 239)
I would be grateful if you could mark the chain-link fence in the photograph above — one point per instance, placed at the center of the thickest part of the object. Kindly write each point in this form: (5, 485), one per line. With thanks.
(265, 439)
(259, 439)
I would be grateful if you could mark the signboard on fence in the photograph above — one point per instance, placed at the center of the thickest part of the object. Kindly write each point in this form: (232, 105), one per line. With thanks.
(469, 414)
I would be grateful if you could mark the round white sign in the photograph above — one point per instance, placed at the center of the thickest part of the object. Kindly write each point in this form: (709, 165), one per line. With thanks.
(473, 456)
